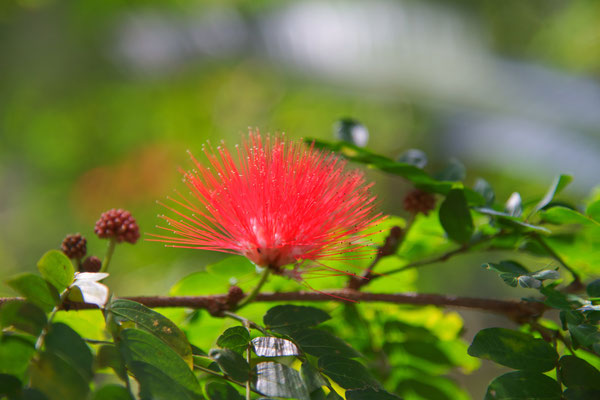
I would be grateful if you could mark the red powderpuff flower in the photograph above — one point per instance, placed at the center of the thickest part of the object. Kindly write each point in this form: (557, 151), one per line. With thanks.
(276, 202)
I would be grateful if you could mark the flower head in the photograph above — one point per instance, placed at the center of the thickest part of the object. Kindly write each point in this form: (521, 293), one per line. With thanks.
(118, 225)
(274, 201)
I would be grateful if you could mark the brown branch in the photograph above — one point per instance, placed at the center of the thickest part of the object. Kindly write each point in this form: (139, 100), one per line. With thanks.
(516, 310)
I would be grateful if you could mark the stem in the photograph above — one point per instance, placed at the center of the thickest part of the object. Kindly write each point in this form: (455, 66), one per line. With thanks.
(245, 321)
(40, 340)
(109, 252)
(555, 255)
(252, 295)
(249, 360)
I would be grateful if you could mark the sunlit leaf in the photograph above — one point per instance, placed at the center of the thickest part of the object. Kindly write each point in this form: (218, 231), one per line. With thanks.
(112, 392)
(268, 346)
(557, 186)
(57, 269)
(278, 380)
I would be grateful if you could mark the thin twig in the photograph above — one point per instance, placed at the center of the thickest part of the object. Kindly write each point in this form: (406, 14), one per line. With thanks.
(576, 279)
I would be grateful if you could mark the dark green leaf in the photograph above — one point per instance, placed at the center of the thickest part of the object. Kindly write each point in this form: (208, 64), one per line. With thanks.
(581, 394)
(197, 351)
(9, 385)
(319, 343)
(584, 335)
(575, 372)
(157, 384)
(36, 290)
(422, 389)
(509, 271)
(287, 318)
(523, 385)
(455, 216)
(351, 131)
(274, 379)
(485, 190)
(268, 346)
(510, 221)
(112, 392)
(556, 299)
(370, 394)
(415, 157)
(593, 288)
(32, 394)
(557, 186)
(57, 269)
(108, 356)
(57, 378)
(63, 341)
(231, 363)
(235, 338)
(139, 347)
(332, 395)
(312, 378)
(23, 316)
(15, 353)
(221, 391)
(571, 317)
(455, 171)
(153, 322)
(347, 373)
(513, 349)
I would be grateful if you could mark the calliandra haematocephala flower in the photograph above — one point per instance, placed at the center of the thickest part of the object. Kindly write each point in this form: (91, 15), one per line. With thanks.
(275, 201)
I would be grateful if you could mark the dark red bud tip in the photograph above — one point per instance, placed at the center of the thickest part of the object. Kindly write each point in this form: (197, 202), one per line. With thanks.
(118, 225)
(419, 201)
(91, 264)
(74, 246)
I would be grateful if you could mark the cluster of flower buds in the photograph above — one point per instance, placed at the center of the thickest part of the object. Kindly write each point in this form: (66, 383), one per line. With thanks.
(419, 201)
(74, 246)
(118, 225)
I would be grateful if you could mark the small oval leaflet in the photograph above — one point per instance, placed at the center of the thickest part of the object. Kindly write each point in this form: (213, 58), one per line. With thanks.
(265, 346)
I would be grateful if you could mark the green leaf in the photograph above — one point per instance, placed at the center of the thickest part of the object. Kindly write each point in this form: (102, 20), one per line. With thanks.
(575, 372)
(559, 300)
(485, 190)
(287, 318)
(268, 346)
(68, 345)
(15, 353)
(278, 380)
(513, 349)
(509, 271)
(57, 269)
(347, 373)
(593, 210)
(35, 289)
(593, 288)
(581, 394)
(57, 378)
(313, 380)
(153, 322)
(423, 388)
(221, 391)
(231, 363)
(235, 338)
(10, 386)
(108, 356)
(511, 221)
(112, 392)
(455, 216)
(148, 357)
(563, 215)
(23, 316)
(523, 385)
(157, 384)
(319, 343)
(415, 157)
(584, 335)
(557, 186)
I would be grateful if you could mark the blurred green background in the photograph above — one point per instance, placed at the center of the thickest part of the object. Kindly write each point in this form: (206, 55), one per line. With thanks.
(99, 100)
